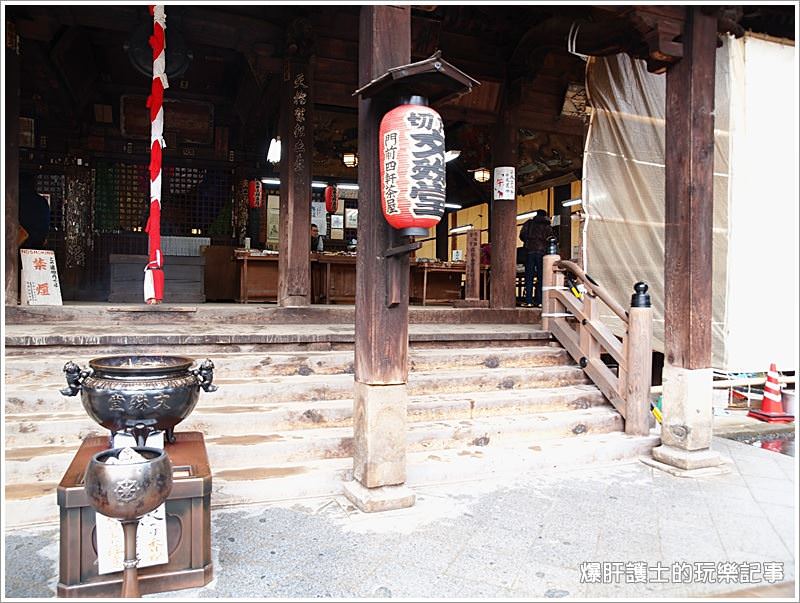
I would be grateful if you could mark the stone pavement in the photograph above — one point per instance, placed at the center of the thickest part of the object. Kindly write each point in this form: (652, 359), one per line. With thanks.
(525, 538)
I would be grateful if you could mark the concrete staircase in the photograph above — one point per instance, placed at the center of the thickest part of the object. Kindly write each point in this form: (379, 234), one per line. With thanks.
(280, 425)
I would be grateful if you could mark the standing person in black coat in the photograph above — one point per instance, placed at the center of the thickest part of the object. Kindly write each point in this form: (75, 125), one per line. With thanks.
(34, 213)
(534, 234)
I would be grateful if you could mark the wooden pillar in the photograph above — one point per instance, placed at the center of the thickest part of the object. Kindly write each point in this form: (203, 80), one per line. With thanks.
(297, 141)
(472, 287)
(563, 193)
(12, 164)
(686, 432)
(443, 238)
(638, 363)
(381, 329)
(689, 194)
(503, 226)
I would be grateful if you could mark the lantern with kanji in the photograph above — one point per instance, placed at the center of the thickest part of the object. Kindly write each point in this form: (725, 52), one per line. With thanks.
(254, 194)
(412, 163)
(331, 199)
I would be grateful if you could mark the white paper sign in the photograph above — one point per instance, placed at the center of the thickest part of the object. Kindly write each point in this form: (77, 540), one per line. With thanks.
(337, 221)
(151, 541)
(318, 214)
(40, 285)
(351, 218)
(504, 183)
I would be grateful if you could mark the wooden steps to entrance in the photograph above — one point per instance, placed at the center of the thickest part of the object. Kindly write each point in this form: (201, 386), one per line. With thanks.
(280, 425)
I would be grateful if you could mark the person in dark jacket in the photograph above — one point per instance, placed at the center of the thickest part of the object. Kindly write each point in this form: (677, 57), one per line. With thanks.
(34, 213)
(534, 234)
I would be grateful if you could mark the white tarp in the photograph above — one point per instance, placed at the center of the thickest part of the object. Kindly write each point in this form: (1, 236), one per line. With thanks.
(755, 201)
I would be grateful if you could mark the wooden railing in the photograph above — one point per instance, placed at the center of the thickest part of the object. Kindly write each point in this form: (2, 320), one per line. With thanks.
(629, 389)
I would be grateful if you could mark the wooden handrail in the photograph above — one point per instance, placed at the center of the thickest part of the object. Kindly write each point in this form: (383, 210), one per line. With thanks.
(594, 288)
(629, 389)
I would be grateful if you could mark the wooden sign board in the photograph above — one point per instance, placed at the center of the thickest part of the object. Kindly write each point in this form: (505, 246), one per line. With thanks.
(40, 286)
(192, 120)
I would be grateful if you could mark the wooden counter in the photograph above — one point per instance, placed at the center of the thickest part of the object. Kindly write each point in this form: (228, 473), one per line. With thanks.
(333, 278)
(438, 283)
(258, 276)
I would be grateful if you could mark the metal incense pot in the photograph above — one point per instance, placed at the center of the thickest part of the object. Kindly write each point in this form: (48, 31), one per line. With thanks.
(139, 394)
(126, 492)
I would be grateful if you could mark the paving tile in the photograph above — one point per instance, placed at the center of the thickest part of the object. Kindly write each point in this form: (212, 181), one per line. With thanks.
(498, 568)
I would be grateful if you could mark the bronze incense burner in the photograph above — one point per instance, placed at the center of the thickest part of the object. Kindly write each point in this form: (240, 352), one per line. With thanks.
(139, 394)
(127, 492)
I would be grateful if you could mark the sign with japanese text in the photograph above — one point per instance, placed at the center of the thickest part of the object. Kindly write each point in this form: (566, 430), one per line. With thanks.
(40, 285)
(505, 184)
(318, 216)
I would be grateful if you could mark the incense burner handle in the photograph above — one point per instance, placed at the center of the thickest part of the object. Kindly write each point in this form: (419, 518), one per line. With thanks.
(75, 376)
(205, 375)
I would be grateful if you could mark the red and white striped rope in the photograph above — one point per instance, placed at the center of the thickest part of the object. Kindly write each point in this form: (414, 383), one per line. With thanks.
(154, 290)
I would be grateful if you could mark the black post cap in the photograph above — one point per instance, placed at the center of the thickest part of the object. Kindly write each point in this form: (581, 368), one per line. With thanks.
(552, 246)
(641, 298)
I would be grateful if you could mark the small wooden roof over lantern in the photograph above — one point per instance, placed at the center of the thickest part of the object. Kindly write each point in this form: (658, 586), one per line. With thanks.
(433, 78)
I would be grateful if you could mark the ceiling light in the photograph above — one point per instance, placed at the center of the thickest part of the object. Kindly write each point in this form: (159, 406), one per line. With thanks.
(571, 202)
(461, 229)
(450, 155)
(350, 159)
(347, 187)
(527, 215)
(274, 152)
(273, 181)
(481, 174)
(316, 184)
(452, 206)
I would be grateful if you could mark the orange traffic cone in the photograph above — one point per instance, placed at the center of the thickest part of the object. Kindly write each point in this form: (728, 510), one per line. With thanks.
(771, 406)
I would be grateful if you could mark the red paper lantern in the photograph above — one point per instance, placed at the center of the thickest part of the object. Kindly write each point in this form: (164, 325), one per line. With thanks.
(254, 190)
(331, 199)
(412, 168)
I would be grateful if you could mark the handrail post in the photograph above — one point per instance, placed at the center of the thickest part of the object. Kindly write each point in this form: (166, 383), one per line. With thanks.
(549, 280)
(639, 361)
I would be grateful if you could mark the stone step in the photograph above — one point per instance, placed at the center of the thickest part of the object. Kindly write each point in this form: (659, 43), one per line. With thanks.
(248, 314)
(45, 399)
(34, 503)
(48, 463)
(54, 338)
(48, 368)
(70, 429)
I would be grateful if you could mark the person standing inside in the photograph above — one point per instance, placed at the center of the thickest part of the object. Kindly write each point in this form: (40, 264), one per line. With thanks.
(316, 239)
(34, 214)
(534, 234)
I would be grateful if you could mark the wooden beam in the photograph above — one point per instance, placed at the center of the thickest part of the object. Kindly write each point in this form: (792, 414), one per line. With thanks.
(503, 229)
(689, 187)
(12, 164)
(443, 238)
(563, 193)
(381, 332)
(296, 119)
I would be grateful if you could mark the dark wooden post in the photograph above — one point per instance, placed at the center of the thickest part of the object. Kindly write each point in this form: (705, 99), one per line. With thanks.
(294, 279)
(443, 238)
(689, 184)
(472, 287)
(563, 193)
(381, 329)
(12, 164)
(503, 226)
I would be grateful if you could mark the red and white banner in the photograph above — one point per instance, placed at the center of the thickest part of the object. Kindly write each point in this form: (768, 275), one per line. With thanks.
(153, 272)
